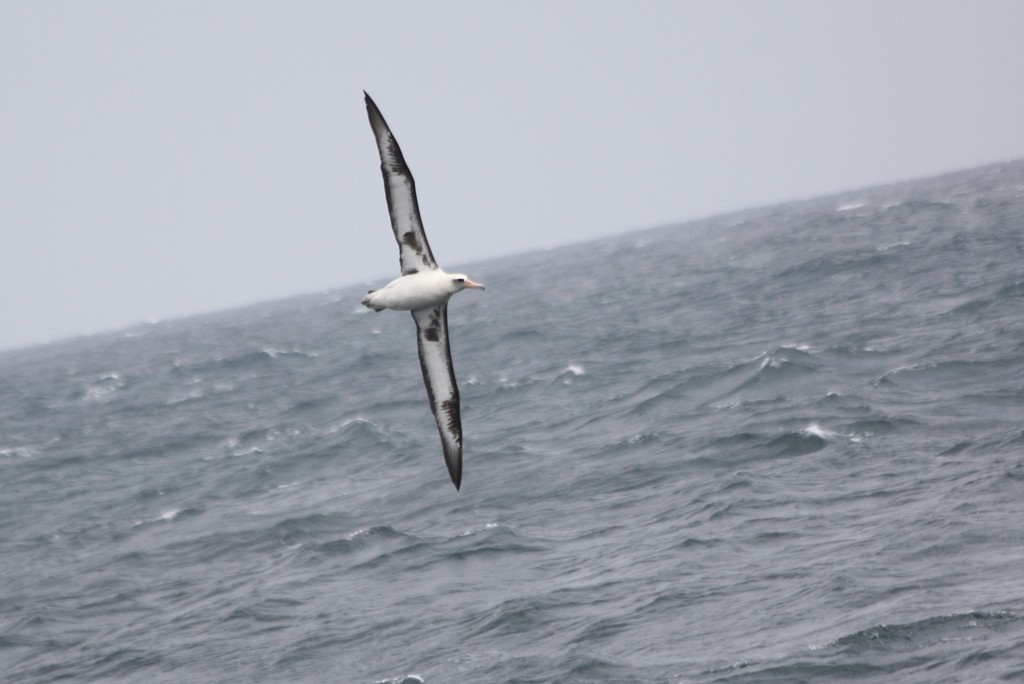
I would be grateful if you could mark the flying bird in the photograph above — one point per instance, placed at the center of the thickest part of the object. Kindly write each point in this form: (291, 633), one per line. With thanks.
(424, 289)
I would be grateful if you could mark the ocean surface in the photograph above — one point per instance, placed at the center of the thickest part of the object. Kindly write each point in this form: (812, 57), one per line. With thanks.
(782, 445)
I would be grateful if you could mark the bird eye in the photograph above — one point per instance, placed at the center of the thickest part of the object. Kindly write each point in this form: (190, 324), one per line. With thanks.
(460, 280)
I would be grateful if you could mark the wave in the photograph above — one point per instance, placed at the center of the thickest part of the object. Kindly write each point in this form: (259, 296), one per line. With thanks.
(241, 360)
(953, 374)
(750, 446)
(18, 452)
(1009, 441)
(768, 377)
(101, 388)
(927, 631)
(369, 547)
(169, 515)
(931, 649)
(862, 263)
(417, 554)
(361, 433)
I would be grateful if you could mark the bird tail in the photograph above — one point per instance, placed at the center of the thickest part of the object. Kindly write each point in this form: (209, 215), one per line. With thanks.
(369, 303)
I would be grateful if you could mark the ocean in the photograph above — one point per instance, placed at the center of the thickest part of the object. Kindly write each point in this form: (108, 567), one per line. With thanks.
(781, 445)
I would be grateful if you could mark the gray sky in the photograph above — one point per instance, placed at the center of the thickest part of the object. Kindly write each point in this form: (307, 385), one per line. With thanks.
(159, 159)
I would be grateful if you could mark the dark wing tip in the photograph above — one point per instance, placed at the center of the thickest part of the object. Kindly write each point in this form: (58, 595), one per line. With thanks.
(371, 106)
(453, 459)
(377, 122)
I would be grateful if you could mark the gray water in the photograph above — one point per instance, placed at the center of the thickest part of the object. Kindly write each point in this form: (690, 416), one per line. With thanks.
(782, 445)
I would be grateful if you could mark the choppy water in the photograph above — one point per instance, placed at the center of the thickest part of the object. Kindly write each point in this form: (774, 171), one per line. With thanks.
(782, 445)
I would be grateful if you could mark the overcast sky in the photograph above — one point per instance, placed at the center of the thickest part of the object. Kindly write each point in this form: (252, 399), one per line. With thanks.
(159, 159)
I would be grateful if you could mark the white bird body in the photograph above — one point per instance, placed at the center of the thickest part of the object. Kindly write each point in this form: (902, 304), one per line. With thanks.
(422, 290)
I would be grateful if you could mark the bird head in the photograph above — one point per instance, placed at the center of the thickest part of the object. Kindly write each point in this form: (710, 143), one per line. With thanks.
(462, 282)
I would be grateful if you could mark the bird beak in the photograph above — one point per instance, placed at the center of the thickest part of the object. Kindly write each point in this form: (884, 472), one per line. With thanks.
(473, 286)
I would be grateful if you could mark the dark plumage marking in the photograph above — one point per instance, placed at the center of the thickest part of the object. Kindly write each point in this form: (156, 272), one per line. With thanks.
(393, 149)
(410, 240)
(450, 409)
(433, 332)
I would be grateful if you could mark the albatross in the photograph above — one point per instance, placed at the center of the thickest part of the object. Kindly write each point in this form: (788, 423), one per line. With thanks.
(424, 289)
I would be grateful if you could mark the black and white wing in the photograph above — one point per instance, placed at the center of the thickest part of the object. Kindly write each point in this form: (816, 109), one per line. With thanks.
(400, 189)
(439, 377)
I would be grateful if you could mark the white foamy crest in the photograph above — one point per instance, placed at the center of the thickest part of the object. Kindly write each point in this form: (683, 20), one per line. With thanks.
(18, 452)
(107, 384)
(816, 430)
(165, 516)
(407, 679)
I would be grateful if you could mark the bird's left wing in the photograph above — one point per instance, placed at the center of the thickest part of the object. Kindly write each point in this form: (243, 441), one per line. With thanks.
(439, 377)
(413, 250)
